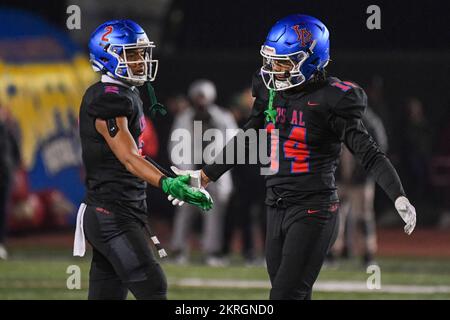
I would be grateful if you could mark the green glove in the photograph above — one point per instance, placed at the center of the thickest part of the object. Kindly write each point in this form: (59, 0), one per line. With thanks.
(179, 188)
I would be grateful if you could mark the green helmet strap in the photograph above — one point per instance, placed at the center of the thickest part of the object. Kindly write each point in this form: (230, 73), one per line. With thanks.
(270, 112)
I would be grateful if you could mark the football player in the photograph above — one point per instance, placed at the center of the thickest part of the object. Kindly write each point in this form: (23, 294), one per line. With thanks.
(314, 114)
(113, 216)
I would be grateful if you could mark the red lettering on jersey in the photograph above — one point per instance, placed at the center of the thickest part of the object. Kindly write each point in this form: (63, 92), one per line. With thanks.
(300, 119)
(341, 86)
(297, 118)
(274, 141)
(303, 35)
(102, 210)
(296, 148)
(294, 117)
(281, 115)
(108, 29)
(111, 89)
(351, 84)
(270, 126)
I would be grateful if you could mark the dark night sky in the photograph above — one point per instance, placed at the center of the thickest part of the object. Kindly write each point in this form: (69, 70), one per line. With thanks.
(212, 24)
(405, 24)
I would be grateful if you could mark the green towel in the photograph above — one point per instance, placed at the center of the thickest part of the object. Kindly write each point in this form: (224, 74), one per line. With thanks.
(270, 112)
(155, 106)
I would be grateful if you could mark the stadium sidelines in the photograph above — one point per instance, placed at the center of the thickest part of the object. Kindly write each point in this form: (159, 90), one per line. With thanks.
(324, 286)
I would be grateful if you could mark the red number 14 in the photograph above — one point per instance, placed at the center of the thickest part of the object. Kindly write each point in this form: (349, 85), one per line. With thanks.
(296, 148)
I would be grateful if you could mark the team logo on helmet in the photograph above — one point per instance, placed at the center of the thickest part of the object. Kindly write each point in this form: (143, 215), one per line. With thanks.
(303, 34)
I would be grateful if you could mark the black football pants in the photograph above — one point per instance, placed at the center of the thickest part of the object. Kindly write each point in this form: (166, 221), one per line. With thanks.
(297, 242)
(122, 258)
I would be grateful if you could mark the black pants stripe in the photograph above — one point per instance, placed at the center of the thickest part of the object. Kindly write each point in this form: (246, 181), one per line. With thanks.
(122, 258)
(297, 242)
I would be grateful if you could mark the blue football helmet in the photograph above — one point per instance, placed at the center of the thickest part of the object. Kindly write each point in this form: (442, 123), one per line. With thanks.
(299, 41)
(108, 48)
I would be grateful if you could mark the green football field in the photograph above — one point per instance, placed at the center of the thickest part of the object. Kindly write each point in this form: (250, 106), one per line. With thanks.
(38, 273)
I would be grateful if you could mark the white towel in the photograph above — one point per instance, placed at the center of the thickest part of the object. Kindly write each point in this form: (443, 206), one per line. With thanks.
(79, 243)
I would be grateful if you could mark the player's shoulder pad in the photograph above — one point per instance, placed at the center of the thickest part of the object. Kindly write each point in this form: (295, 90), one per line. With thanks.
(346, 99)
(111, 102)
(259, 89)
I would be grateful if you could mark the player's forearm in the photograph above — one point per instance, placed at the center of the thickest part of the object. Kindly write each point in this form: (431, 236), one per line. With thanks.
(237, 144)
(143, 169)
(216, 169)
(387, 178)
(374, 161)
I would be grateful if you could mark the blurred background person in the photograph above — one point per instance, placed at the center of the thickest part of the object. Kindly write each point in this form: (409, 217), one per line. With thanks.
(9, 162)
(357, 193)
(214, 40)
(440, 172)
(202, 95)
(156, 138)
(376, 98)
(416, 149)
(246, 206)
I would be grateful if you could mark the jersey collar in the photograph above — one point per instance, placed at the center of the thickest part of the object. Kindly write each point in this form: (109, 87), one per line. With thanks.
(107, 79)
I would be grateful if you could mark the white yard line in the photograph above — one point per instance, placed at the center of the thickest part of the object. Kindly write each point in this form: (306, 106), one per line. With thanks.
(325, 286)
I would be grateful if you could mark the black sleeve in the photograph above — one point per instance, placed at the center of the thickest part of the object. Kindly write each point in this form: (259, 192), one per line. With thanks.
(345, 120)
(256, 121)
(376, 129)
(164, 171)
(110, 105)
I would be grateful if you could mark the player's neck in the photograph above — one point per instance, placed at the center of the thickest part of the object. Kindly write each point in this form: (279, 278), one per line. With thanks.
(307, 86)
(107, 79)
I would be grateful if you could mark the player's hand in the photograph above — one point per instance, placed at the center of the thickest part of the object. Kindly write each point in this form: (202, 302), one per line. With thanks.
(194, 182)
(180, 189)
(175, 201)
(407, 212)
(198, 178)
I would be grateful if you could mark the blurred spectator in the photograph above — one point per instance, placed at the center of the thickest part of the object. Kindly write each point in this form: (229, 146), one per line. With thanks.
(416, 149)
(177, 104)
(246, 204)
(440, 172)
(156, 138)
(357, 193)
(9, 161)
(378, 103)
(202, 94)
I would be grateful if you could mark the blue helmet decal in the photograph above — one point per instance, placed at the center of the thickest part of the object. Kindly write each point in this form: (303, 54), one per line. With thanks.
(295, 49)
(110, 45)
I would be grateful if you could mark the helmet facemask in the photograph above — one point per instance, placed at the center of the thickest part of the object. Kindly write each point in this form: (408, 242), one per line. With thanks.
(282, 80)
(124, 66)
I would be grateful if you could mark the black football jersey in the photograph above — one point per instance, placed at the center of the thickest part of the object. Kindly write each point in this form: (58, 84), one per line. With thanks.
(312, 123)
(107, 180)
